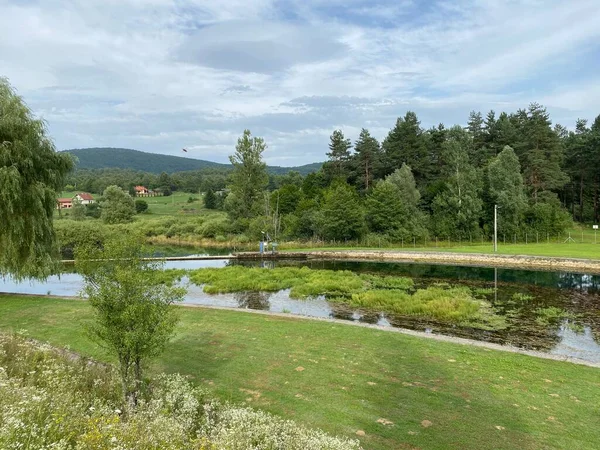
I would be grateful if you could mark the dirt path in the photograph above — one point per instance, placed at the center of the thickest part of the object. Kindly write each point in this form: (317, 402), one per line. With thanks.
(469, 259)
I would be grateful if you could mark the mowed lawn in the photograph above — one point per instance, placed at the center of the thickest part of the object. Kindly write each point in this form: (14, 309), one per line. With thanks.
(402, 391)
(174, 205)
(585, 250)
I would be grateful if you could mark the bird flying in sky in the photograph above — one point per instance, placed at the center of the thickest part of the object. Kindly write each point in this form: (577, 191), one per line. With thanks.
(184, 149)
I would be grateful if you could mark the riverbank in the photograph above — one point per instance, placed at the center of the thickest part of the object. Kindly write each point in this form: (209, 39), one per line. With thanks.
(406, 331)
(532, 262)
(401, 391)
(467, 259)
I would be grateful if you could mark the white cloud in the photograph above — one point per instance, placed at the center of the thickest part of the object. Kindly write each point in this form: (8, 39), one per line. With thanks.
(156, 75)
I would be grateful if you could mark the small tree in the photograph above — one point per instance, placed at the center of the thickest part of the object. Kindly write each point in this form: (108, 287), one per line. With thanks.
(117, 206)
(78, 210)
(141, 206)
(249, 177)
(134, 313)
(342, 215)
(506, 189)
(210, 199)
(93, 210)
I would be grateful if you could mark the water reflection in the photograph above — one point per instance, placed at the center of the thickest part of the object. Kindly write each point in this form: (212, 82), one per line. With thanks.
(516, 295)
(253, 300)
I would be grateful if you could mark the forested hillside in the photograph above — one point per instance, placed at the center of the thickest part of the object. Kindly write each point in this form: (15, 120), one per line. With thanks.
(417, 184)
(123, 158)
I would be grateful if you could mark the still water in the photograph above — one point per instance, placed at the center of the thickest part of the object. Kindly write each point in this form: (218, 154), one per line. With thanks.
(576, 294)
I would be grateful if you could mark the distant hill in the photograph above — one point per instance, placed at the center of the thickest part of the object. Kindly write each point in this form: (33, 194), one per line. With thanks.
(124, 158)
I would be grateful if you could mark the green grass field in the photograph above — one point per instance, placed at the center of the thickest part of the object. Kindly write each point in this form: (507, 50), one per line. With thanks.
(402, 391)
(577, 250)
(584, 243)
(174, 205)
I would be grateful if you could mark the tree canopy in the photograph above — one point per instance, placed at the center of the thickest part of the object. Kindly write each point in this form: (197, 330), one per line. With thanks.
(118, 206)
(31, 174)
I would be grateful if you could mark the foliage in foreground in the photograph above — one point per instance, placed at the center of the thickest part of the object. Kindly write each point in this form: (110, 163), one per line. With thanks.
(133, 307)
(31, 173)
(49, 400)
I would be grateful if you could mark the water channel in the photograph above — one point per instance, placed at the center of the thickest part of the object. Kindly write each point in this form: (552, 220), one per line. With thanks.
(518, 295)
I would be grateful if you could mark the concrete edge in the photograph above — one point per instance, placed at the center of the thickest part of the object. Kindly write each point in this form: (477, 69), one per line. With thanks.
(405, 331)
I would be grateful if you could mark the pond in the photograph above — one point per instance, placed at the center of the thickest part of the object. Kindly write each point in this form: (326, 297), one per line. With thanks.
(527, 300)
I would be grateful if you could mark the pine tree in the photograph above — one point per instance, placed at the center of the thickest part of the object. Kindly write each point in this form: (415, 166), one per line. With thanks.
(339, 156)
(210, 200)
(367, 158)
(406, 143)
(543, 153)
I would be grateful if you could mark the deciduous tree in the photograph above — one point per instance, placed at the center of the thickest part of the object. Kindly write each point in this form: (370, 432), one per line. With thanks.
(506, 190)
(117, 206)
(31, 174)
(249, 177)
(134, 313)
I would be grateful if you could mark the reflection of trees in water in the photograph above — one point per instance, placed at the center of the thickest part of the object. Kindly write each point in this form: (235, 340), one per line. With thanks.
(253, 300)
(370, 317)
(340, 310)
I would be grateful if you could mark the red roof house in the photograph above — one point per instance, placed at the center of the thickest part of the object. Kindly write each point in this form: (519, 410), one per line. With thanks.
(64, 203)
(84, 198)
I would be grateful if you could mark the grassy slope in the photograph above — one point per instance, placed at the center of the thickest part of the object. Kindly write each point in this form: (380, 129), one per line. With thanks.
(354, 376)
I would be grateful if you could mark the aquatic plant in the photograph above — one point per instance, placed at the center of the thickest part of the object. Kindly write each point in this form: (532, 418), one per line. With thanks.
(482, 292)
(521, 297)
(303, 282)
(383, 293)
(552, 315)
(454, 305)
(389, 282)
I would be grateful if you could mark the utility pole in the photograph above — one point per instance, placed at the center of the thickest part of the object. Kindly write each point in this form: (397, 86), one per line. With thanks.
(495, 228)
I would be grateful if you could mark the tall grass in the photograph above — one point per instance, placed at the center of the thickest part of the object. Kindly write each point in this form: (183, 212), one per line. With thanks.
(50, 401)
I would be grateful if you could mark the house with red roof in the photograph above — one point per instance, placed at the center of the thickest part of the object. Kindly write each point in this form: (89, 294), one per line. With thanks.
(141, 190)
(64, 203)
(84, 198)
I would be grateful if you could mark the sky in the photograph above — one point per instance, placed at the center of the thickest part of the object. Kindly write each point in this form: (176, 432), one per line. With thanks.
(159, 75)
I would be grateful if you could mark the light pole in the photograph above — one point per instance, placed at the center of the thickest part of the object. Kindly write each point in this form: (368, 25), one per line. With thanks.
(495, 228)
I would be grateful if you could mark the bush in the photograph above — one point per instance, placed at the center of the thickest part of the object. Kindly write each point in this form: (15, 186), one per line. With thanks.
(71, 234)
(57, 401)
(141, 206)
(213, 227)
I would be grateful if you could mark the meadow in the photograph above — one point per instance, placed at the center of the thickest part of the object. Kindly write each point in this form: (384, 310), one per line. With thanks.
(389, 390)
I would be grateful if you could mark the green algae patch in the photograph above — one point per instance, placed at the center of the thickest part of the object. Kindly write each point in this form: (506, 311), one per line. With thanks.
(395, 295)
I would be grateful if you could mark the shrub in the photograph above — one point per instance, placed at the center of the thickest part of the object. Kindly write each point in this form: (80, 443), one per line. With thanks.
(213, 227)
(141, 206)
(57, 401)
